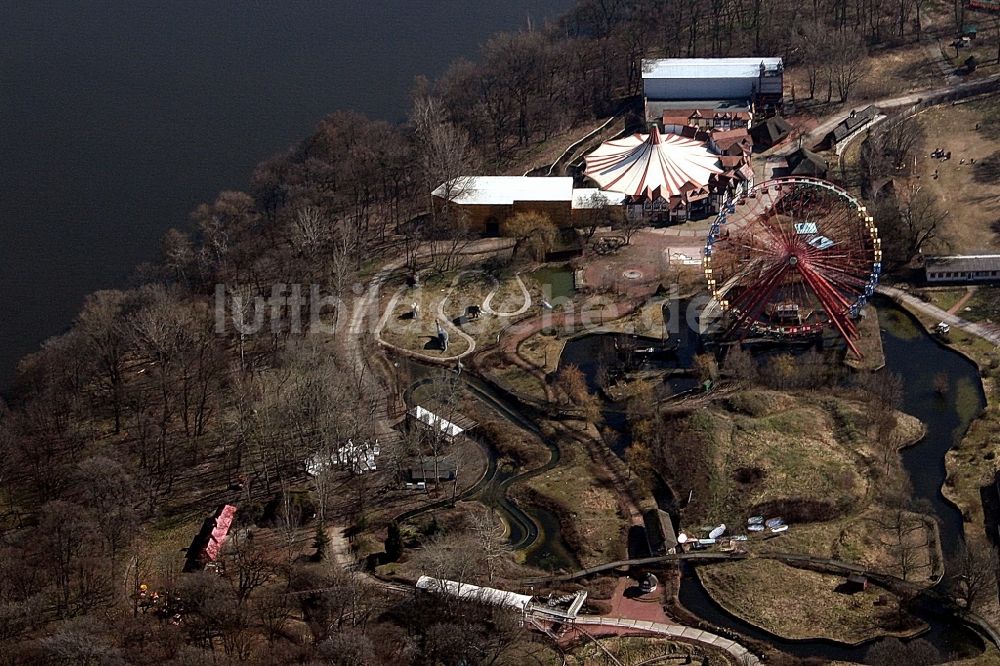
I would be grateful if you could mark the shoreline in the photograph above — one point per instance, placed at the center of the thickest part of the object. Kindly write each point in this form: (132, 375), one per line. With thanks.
(947, 490)
(803, 639)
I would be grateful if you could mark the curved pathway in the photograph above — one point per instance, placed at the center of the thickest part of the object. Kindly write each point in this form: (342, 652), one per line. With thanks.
(443, 320)
(625, 626)
(366, 305)
(487, 303)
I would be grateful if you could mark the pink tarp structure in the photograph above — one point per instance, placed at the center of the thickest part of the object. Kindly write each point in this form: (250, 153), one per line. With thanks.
(652, 165)
(219, 533)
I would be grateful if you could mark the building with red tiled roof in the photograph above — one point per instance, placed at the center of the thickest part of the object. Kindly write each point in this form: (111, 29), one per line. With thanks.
(735, 142)
(723, 117)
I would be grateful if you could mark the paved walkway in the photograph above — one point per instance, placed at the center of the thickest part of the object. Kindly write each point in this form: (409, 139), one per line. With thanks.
(986, 332)
(488, 301)
(626, 626)
(826, 126)
(647, 607)
(366, 306)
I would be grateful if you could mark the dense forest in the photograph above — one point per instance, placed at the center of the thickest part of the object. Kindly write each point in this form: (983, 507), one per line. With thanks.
(143, 414)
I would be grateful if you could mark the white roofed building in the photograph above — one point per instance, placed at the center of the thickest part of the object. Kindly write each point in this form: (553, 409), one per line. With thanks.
(435, 422)
(484, 595)
(759, 81)
(488, 201)
(507, 190)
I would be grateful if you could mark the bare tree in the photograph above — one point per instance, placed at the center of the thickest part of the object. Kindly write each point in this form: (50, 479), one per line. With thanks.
(905, 536)
(573, 384)
(490, 536)
(811, 46)
(848, 62)
(894, 652)
(177, 254)
(887, 436)
(908, 225)
(252, 566)
(534, 233)
(310, 232)
(595, 213)
(974, 572)
(443, 153)
(888, 149)
(629, 225)
(102, 325)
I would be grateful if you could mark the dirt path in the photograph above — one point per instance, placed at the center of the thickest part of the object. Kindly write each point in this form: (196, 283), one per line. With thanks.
(969, 291)
(339, 547)
(488, 301)
(446, 323)
(932, 45)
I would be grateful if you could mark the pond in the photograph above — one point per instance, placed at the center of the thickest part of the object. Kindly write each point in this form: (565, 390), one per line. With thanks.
(597, 354)
(557, 282)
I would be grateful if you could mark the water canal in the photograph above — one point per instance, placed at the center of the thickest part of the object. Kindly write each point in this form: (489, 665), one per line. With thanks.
(910, 351)
(918, 358)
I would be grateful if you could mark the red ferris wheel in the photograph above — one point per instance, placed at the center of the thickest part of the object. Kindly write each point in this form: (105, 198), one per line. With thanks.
(793, 256)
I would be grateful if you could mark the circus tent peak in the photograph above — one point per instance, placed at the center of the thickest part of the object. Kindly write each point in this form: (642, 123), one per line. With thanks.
(643, 164)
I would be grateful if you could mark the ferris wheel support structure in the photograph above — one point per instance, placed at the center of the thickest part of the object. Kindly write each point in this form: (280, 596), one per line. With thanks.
(794, 256)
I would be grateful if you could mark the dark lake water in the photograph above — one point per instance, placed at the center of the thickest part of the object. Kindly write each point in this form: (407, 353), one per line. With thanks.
(117, 118)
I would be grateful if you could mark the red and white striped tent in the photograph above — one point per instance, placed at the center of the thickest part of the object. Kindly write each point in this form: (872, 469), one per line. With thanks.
(651, 165)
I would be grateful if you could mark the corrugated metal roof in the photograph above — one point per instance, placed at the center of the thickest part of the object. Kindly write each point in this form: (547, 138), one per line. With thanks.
(707, 68)
(505, 190)
(717, 105)
(432, 420)
(960, 263)
(485, 595)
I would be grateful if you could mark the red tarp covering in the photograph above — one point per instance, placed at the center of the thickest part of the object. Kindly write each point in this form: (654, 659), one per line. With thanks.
(219, 532)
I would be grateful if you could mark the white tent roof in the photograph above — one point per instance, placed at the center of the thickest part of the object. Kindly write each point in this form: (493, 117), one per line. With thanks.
(432, 420)
(486, 595)
(641, 163)
(707, 68)
(505, 190)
